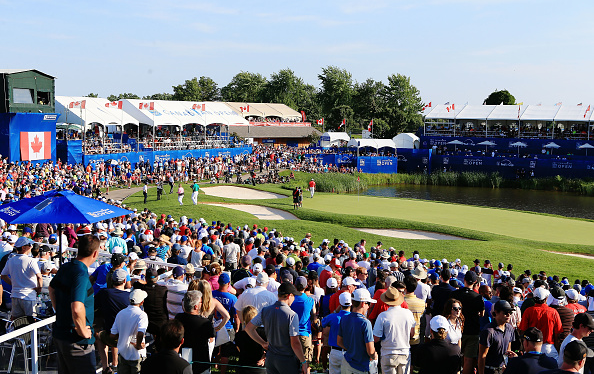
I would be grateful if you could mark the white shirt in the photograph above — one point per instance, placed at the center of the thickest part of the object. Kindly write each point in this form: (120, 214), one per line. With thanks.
(259, 297)
(230, 252)
(454, 333)
(394, 326)
(423, 291)
(273, 286)
(568, 339)
(176, 289)
(23, 271)
(128, 323)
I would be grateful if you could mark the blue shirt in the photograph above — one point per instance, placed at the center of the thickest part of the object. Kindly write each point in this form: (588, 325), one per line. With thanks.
(72, 283)
(333, 320)
(206, 249)
(303, 305)
(356, 332)
(314, 266)
(228, 300)
(100, 275)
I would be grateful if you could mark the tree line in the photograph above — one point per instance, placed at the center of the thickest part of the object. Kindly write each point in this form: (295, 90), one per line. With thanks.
(394, 106)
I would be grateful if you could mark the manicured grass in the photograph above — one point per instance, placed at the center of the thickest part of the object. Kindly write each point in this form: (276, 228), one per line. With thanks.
(521, 239)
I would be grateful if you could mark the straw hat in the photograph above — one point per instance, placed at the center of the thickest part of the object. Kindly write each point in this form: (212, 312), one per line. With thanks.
(392, 296)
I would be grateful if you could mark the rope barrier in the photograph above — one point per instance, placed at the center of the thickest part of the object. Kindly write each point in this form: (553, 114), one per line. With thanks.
(239, 366)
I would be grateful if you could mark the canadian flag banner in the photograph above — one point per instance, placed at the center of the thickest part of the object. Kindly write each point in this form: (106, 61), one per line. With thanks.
(78, 104)
(245, 108)
(342, 123)
(149, 106)
(370, 126)
(320, 121)
(201, 107)
(114, 104)
(303, 117)
(36, 145)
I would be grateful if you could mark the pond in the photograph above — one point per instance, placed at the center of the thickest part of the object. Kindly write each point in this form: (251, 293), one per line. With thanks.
(551, 202)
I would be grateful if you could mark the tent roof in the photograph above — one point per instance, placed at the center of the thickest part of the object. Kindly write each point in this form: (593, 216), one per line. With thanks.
(14, 71)
(95, 111)
(334, 136)
(265, 110)
(372, 143)
(573, 113)
(441, 112)
(405, 140)
(538, 112)
(235, 106)
(507, 112)
(273, 131)
(475, 112)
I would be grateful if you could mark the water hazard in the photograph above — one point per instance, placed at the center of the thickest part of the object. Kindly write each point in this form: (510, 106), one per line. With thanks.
(560, 203)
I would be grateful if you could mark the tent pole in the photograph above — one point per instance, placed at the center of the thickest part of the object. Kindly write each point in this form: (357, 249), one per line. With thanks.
(60, 243)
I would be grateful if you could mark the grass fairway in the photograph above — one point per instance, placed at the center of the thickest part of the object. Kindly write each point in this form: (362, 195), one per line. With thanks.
(521, 239)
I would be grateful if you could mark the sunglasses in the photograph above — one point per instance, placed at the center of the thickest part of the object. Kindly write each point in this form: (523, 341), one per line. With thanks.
(456, 308)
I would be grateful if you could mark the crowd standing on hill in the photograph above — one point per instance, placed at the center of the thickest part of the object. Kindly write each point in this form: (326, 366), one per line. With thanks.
(213, 291)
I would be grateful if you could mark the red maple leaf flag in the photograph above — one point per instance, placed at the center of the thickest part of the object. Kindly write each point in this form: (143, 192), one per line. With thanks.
(149, 106)
(303, 117)
(245, 108)
(201, 107)
(114, 104)
(370, 126)
(320, 121)
(78, 104)
(342, 123)
(36, 145)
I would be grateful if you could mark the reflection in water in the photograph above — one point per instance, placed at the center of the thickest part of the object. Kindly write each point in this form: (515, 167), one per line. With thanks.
(563, 204)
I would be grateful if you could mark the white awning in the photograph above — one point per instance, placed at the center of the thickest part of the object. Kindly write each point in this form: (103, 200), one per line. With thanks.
(95, 111)
(444, 112)
(576, 113)
(507, 112)
(407, 140)
(331, 138)
(371, 143)
(478, 112)
(540, 113)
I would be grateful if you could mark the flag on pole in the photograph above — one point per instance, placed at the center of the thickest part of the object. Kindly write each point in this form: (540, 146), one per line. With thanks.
(201, 107)
(303, 116)
(149, 106)
(342, 123)
(370, 126)
(587, 110)
(78, 104)
(36, 145)
(114, 104)
(245, 108)
(320, 121)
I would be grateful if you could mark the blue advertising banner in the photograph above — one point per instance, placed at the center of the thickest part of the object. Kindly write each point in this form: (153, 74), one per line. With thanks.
(414, 160)
(14, 129)
(374, 165)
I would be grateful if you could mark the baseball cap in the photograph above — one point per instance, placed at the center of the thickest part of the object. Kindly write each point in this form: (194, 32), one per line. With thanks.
(502, 306)
(558, 293)
(133, 256)
(331, 283)
(257, 267)
(12, 239)
(287, 288)
(302, 282)
(189, 268)
(541, 293)
(348, 281)
(178, 271)
(262, 278)
(119, 275)
(470, 277)
(345, 299)
(137, 296)
(572, 294)
(27, 229)
(532, 334)
(22, 241)
(583, 319)
(224, 278)
(438, 322)
(290, 261)
(151, 273)
(362, 295)
(577, 351)
(117, 259)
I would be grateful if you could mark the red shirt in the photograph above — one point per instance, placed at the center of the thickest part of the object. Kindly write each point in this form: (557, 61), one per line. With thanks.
(334, 302)
(380, 306)
(576, 308)
(545, 318)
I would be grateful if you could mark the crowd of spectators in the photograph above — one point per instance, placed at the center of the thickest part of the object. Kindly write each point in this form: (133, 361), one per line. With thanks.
(213, 291)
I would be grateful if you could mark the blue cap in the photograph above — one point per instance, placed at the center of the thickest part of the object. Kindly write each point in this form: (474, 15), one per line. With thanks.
(53, 236)
(437, 263)
(176, 247)
(27, 230)
(178, 271)
(184, 238)
(224, 278)
(190, 220)
(169, 216)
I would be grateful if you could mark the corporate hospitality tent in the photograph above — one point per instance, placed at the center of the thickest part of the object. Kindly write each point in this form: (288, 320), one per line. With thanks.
(330, 139)
(94, 111)
(265, 110)
(407, 140)
(371, 143)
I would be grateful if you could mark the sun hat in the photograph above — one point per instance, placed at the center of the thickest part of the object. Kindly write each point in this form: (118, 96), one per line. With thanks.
(392, 296)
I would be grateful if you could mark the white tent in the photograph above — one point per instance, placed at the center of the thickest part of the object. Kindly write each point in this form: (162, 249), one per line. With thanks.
(444, 112)
(95, 111)
(475, 112)
(407, 140)
(371, 143)
(571, 113)
(330, 139)
(507, 112)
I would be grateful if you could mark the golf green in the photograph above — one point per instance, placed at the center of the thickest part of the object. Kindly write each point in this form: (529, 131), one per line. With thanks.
(497, 221)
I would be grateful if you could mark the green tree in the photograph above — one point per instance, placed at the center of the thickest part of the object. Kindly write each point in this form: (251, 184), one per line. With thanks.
(284, 87)
(498, 97)
(203, 89)
(159, 96)
(122, 96)
(245, 87)
(336, 88)
(403, 106)
(368, 104)
(337, 114)
(92, 95)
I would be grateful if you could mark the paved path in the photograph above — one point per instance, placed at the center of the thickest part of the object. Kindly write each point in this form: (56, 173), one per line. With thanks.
(261, 212)
(411, 234)
(123, 193)
(232, 192)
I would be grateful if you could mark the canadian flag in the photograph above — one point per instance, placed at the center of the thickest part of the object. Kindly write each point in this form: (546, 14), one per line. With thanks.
(78, 104)
(426, 106)
(201, 107)
(245, 108)
(36, 145)
(149, 106)
(303, 117)
(370, 126)
(320, 121)
(114, 104)
(342, 123)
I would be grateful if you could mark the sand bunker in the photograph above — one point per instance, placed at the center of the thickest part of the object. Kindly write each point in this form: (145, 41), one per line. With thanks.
(232, 192)
(412, 234)
(261, 212)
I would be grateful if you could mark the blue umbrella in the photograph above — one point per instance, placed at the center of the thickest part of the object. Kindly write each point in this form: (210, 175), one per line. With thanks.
(59, 207)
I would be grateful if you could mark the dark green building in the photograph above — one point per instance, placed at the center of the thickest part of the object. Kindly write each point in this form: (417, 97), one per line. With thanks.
(27, 91)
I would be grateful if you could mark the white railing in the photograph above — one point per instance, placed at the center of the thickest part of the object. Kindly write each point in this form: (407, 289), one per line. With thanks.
(32, 328)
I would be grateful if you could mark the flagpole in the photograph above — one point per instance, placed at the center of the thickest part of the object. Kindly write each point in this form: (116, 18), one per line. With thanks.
(154, 139)
(84, 135)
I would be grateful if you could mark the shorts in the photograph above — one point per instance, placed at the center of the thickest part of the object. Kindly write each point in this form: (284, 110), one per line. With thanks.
(307, 347)
(22, 307)
(470, 345)
(228, 349)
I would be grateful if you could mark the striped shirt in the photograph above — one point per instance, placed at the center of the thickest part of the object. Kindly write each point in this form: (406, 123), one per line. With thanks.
(176, 290)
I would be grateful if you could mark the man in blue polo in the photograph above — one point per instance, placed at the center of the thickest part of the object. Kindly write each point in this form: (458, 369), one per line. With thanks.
(495, 340)
(355, 335)
(330, 324)
(305, 308)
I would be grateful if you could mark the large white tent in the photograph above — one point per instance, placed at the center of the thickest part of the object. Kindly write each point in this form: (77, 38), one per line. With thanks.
(550, 113)
(330, 139)
(94, 111)
(407, 140)
(371, 143)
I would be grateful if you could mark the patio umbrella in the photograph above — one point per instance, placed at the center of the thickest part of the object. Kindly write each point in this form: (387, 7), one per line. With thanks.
(59, 207)
(456, 143)
(518, 145)
(551, 145)
(487, 143)
(586, 146)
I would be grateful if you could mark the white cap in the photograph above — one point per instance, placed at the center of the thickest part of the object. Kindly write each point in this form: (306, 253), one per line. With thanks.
(12, 228)
(257, 268)
(251, 282)
(572, 294)
(13, 239)
(439, 322)
(541, 293)
(137, 296)
(262, 278)
(328, 257)
(117, 249)
(332, 283)
(348, 281)
(290, 261)
(363, 295)
(133, 256)
(345, 299)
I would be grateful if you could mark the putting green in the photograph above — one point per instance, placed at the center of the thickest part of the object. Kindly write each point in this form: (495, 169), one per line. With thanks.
(504, 222)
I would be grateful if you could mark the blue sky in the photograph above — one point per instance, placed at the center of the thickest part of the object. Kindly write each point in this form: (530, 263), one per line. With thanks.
(453, 50)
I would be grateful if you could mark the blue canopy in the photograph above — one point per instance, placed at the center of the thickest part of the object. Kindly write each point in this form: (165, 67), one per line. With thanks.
(59, 207)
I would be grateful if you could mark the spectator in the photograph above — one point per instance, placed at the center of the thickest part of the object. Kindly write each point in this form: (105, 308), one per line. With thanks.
(574, 358)
(167, 360)
(546, 319)
(251, 354)
(330, 324)
(441, 293)
(495, 340)
(437, 352)
(583, 325)
(176, 289)
(533, 361)
(305, 308)
(155, 303)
